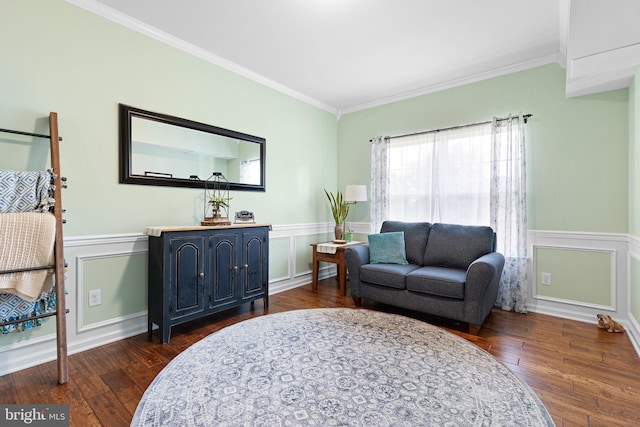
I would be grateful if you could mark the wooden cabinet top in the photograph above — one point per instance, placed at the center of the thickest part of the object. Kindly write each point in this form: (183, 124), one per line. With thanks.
(158, 230)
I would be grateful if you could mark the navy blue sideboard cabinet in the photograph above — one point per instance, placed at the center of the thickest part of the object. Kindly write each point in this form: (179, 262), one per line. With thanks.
(196, 271)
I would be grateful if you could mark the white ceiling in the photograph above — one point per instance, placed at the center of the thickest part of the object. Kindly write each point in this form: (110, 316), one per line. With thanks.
(345, 55)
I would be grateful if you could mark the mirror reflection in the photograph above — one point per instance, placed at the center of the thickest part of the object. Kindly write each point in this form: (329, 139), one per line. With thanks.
(164, 150)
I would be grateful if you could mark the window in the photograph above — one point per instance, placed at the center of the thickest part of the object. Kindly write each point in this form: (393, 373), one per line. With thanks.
(250, 171)
(441, 176)
(472, 175)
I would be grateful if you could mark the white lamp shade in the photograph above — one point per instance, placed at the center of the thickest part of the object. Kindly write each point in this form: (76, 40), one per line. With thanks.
(355, 193)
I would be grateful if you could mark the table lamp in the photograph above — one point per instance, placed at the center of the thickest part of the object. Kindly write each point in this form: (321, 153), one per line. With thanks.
(355, 193)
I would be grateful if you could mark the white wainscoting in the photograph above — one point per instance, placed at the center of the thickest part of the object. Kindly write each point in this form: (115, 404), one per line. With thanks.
(295, 276)
(610, 283)
(24, 354)
(633, 328)
(619, 246)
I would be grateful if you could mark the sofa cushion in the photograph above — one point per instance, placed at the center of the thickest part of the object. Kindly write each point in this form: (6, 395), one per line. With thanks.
(387, 248)
(440, 281)
(457, 246)
(416, 235)
(390, 275)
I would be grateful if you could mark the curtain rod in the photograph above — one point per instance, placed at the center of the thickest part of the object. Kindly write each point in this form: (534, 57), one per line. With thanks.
(525, 116)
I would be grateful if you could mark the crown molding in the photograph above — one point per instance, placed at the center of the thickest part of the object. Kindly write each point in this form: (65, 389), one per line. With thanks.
(556, 57)
(516, 64)
(111, 14)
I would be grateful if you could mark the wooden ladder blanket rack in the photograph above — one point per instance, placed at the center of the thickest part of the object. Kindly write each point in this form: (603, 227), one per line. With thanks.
(59, 263)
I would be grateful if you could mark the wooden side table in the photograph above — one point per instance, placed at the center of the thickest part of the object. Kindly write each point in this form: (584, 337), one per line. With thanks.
(336, 258)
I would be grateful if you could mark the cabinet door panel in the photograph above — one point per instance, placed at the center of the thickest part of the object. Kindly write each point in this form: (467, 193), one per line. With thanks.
(223, 268)
(187, 287)
(254, 268)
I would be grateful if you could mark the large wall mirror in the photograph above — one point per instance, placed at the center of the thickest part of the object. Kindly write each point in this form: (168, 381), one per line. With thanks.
(158, 149)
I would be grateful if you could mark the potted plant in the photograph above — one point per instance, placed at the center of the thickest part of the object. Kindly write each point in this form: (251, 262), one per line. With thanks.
(217, 205)
(339, 210)
(218, 202)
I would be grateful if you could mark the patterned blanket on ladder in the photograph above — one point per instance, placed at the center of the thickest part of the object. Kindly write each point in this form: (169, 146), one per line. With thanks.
(25, 191)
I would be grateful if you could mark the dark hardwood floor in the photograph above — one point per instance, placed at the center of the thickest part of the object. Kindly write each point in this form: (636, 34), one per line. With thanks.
(584, 376)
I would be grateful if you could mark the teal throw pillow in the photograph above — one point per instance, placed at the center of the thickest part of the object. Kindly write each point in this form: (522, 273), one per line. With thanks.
(387, 248)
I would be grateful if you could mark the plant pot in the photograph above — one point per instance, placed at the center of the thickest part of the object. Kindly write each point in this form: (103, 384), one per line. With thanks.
(339, 231)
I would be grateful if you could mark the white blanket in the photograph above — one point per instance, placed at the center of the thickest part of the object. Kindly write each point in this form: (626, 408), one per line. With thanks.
(332, 248)
(26, 240)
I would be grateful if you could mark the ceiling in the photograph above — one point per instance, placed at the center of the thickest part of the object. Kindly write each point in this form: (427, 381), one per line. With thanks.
(346, 55)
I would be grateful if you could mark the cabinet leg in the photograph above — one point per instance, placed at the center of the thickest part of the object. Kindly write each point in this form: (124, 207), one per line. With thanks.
(165, 334)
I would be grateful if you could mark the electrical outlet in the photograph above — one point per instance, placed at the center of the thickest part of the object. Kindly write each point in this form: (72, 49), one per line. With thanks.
(95, 297)
(545, 279)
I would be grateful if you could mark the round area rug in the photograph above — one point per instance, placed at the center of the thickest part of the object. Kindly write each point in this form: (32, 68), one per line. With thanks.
(337, 367)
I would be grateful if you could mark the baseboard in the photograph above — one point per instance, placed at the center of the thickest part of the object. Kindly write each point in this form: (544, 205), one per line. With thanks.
(42, 350)
(563, 313)
(111, 333)
(633, 332)
(301, 280)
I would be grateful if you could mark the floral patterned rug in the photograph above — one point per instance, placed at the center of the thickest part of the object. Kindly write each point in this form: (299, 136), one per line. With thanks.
(337, 367)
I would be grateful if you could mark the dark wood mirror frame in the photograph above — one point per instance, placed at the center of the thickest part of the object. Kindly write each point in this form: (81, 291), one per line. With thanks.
(126, 116)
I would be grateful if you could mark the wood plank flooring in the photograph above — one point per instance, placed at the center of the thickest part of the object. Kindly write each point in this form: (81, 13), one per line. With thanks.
(584, 376)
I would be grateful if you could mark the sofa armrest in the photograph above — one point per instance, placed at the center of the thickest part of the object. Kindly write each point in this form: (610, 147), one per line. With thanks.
(481, 287)
(356, 257)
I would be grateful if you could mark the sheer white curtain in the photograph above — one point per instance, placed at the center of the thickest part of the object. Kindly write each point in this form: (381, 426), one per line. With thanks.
(509, 209)
(471, 175)
(379, 182)
(436, 176)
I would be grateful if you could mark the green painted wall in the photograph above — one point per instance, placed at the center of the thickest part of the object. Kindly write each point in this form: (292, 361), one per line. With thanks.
(634, 193)
(576, 148)
(278, 258)
(576, 158)
(58, 57)
(576, 275)
(125, 273)
(634, 156)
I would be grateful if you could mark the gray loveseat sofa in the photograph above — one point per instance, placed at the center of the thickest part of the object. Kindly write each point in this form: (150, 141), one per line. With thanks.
(452, 271)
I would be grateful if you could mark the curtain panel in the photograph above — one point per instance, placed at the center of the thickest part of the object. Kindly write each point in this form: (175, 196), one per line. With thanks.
(509, 209)
(472, 175)
(379, 182)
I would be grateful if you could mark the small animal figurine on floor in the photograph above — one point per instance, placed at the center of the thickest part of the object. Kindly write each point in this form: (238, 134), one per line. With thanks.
(607, 323)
